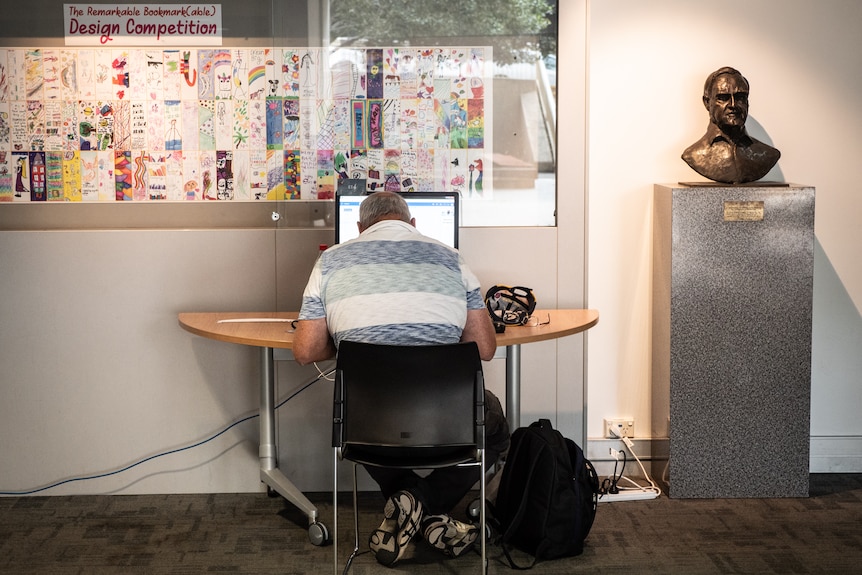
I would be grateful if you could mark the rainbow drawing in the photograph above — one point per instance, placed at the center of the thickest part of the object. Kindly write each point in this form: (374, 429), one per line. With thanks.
(255, 76)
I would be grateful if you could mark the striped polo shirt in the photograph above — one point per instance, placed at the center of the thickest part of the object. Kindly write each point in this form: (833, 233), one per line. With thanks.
(392, 285)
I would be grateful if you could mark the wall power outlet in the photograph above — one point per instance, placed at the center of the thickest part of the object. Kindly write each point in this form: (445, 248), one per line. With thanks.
(616, 428)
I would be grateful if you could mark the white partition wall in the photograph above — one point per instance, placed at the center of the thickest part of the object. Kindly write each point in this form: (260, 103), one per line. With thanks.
(97, 374)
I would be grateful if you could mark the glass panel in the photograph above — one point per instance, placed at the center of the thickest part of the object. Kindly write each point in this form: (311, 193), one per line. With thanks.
(304, 223)
(520, 81)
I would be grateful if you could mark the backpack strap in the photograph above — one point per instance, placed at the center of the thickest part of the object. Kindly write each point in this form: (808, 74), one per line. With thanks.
(519, 516)
(512, 563)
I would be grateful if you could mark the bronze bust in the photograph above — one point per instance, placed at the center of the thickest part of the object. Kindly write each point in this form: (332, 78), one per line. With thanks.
(726, 153)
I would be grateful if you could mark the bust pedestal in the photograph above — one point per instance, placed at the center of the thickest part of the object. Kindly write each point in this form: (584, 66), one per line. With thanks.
(733, 270)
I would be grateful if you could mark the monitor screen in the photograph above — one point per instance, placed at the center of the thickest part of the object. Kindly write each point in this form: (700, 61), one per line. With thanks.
(436, 215)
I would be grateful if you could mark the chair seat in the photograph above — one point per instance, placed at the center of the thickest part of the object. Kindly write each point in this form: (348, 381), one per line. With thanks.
(409, 457)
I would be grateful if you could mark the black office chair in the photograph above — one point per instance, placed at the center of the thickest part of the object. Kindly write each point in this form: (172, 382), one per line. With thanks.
(414, 407)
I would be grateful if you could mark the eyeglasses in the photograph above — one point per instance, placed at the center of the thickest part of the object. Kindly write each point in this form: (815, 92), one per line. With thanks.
(534, 321)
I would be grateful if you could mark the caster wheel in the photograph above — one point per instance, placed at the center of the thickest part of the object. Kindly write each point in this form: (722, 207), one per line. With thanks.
(318, 534)
(270, 492)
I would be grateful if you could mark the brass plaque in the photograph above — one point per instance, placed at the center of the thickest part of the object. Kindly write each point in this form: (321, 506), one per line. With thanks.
(743, 211)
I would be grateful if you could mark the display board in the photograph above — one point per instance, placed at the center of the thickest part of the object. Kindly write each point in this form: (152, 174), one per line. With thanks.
(241, 123)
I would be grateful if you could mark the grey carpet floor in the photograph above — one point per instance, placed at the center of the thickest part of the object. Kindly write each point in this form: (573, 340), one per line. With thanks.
(256, 534)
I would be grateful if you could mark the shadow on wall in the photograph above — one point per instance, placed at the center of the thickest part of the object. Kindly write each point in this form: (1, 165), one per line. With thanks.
(837, 339)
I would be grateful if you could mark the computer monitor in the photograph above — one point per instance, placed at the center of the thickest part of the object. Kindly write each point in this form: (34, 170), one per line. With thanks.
(436, 215)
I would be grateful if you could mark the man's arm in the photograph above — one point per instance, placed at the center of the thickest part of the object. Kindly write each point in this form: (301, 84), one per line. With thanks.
(480, 329)
(312, 342)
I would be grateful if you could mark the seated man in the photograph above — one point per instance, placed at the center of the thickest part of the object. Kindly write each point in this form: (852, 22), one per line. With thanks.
(394, 286)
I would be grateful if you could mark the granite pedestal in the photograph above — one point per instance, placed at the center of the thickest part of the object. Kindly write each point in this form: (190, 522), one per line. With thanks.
(733, 280)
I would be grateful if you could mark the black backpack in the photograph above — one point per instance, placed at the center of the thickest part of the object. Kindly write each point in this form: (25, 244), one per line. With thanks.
(548, 495)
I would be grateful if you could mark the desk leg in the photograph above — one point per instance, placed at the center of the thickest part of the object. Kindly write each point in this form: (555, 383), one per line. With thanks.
(269, 472)
(513, 386)
(268, 448)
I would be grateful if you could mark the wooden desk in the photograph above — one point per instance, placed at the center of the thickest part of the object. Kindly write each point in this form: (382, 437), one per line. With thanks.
(279, 334)
(270, 331)
(258, 334)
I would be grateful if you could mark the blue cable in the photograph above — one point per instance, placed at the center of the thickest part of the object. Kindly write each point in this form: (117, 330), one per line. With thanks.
(150, 458)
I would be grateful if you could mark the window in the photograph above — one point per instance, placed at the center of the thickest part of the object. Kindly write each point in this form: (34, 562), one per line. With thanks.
(522, 37)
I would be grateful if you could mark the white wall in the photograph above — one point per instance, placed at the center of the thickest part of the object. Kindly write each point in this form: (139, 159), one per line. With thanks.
(96, 374)
(647, 64)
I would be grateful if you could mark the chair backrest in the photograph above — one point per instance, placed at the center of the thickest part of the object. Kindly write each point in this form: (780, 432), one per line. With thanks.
(408, 397)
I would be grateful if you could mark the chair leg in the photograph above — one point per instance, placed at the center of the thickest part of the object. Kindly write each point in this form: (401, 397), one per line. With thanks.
(355, 551)
(335, 512)
(355, 513)
(482, 524)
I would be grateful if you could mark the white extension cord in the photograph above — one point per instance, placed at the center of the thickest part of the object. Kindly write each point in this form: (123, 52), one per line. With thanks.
(635, 492)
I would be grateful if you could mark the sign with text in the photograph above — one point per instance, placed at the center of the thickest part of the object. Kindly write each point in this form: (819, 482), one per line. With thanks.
(142, 24)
